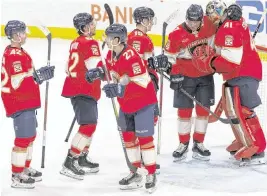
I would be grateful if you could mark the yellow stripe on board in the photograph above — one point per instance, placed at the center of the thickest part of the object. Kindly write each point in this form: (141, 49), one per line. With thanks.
(70, 33)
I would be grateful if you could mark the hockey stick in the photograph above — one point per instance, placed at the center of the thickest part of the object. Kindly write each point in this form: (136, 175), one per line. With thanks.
(219, 109)
(111, 21)
(70, 129)
(110, 17)
(164, 27)
(129, 164)
(134, 169)
(47, 33)
(223, 120)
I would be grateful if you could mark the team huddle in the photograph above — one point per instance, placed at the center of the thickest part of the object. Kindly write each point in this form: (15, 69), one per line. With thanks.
(205, 44)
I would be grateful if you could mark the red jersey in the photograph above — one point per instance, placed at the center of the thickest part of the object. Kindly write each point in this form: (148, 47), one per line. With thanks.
(19, 90)
(238, 54)
(140, 92)
(84, 54)
(142, 43)
(181, 44)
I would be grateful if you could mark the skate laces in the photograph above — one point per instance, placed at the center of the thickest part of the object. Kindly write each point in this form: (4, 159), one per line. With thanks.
(181, 147)
(149, 178)
(30, 170)
(21, 176)
(201, 146)
(76, 165)
(129, 176)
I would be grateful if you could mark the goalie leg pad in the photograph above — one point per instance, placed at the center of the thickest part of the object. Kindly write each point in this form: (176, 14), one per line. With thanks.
(242, 129)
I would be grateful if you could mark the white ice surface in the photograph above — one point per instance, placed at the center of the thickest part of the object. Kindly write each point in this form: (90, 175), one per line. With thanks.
(217, 177)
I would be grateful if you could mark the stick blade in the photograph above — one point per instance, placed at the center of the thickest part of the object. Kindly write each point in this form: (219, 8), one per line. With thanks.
(45, 30)
(109, 12)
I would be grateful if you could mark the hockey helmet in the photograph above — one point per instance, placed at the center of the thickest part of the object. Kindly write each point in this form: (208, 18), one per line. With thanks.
(13, 27)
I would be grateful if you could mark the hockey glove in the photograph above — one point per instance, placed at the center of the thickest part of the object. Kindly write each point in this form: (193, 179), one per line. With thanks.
(114, 90)
(159, 62)
(203, 57)
(176, 82)
(94, 74)
(43, 74)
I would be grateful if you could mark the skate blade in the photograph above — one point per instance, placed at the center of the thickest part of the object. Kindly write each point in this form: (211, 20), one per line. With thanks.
(180, 158)
(199, 157)
(132, 186)
(151, 190)
(254, 162)
(71, 175)
(37, 179)
(91, 170)
(19, 185)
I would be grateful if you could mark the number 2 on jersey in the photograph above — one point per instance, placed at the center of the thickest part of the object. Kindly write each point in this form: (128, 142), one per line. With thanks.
(4, 81)
(75, 58)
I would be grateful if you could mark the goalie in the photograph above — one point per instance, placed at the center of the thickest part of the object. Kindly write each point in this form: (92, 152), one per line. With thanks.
(237, 60)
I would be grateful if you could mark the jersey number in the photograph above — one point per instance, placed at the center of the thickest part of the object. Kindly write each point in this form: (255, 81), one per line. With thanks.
(128, 54)
(4, 81)
(75, 58)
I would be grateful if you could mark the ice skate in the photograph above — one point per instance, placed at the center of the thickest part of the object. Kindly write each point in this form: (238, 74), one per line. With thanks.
(21, 180)
(33, 173)
(200, 152)
(71, 168)
(87, 164)
(181, 152)
(132, 181)
(256, 159)
(151, 181)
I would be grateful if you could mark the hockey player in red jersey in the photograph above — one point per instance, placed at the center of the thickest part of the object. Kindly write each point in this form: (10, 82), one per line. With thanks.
(183, 42)
(144, 18)
(84, 55)
(137, 98)
(237, 60)
(21, 97)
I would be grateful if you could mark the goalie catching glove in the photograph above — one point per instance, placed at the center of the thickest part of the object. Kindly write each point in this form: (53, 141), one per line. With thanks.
(202, 58)
(159, 62)
(43, 74)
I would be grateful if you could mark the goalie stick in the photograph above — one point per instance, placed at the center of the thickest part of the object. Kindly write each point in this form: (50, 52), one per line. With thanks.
(164, 27)
(47, 33)
(223, 120)
(218, 111)
(111, 21)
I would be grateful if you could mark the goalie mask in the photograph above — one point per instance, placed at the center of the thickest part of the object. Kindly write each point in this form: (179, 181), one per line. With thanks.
(215, 10)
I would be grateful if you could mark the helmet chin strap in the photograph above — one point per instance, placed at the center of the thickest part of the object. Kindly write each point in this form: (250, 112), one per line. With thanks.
(146, 26)
(88, 33)
(19, 41)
